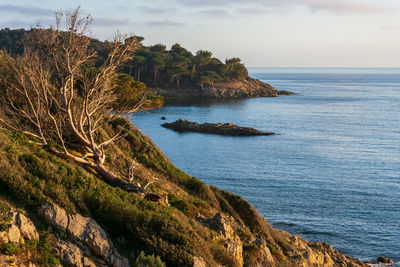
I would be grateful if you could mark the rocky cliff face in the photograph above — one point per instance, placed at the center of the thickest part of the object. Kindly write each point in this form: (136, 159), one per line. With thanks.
(80, 241)
(222, 90)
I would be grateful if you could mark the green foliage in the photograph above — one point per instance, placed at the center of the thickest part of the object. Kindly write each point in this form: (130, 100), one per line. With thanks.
(45, 249)
(237, 206)
(9, 248)
(12, 40)
(271, 247)
(129, 91)
(148, 261)
(235, 69)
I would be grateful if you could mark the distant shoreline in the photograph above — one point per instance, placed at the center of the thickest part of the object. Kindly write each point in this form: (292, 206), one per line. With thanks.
(248, 88)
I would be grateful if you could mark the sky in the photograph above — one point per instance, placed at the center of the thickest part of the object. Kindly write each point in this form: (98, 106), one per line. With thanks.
(263, 33)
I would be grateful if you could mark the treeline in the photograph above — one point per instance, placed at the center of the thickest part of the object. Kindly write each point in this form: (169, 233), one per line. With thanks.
(178, 67)
(156, 66)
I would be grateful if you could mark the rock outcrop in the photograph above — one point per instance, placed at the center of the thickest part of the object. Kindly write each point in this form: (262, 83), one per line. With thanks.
(231, 129)
(19, 229)
(225, 234)
(87, 241)
(385, 260)
(221, 90)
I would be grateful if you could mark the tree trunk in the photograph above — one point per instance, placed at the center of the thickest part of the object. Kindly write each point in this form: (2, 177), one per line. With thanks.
(109, 177)
(155, 77)
(114, 181)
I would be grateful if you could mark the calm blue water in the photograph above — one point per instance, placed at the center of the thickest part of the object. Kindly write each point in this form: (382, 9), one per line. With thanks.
(333, 172)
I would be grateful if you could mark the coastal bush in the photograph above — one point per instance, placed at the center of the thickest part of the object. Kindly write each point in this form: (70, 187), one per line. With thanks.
(144, 260)
(201, 190)
(9, 248)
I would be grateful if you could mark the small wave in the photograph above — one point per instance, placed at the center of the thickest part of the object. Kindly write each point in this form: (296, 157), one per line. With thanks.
(311, 232)
(283, 224)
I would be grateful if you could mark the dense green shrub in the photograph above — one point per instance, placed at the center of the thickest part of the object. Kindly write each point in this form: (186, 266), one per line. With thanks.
(148, 261)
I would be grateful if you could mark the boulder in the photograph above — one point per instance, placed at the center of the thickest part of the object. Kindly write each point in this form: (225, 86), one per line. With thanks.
(90, 238)
(19, 229)
(385, 260)
(70, 254)
(90, 233)
(55, 216)
(222, 224)
(14, 235)
(26, 227)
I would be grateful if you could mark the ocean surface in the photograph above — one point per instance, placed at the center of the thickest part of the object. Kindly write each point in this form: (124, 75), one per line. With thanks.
(333, 172)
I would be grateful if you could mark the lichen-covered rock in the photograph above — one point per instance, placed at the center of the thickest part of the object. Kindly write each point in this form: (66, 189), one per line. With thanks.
(199, 262)
(26, 227)
(85, 232)
(70, 254)
(319, 254)
(55, 216)
(14, 235)
(4, 236)
(89, 232)
(19, 229)
(222, 224)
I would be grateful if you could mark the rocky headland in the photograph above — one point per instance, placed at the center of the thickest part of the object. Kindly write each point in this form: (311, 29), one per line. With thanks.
(55, 212)
(231, 129)
(247, 88)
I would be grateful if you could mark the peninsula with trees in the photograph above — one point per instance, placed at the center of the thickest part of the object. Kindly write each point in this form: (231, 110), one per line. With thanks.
(178, 75)
(80, 185)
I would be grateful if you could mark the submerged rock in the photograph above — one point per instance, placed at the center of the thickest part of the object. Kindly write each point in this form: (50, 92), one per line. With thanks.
(231, 129)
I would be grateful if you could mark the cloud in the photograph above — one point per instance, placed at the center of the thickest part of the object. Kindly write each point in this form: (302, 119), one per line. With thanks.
(15, 24)
(331, 6)
(20, 24)
(164, 23)
(343, 6)
(388, 27)
(26, 10)
(216, 13)
(151, 10)
(110, 22)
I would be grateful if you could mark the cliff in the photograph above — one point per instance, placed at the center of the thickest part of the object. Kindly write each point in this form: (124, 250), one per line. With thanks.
(246, 88)
(56, 212)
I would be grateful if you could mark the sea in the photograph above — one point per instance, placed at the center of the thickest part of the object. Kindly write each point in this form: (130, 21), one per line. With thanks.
(332, 172)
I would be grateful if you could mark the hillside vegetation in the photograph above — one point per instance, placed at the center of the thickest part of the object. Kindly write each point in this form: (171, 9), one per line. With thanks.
(81, 186)
(200, 221)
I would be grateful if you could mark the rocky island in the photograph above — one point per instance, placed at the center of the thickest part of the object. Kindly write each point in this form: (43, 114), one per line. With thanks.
(231, 129)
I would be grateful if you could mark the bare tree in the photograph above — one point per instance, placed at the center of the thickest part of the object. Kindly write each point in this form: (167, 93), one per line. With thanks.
(53, 93)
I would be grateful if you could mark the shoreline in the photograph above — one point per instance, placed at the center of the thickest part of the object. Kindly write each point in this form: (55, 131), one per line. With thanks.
(248, 88)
